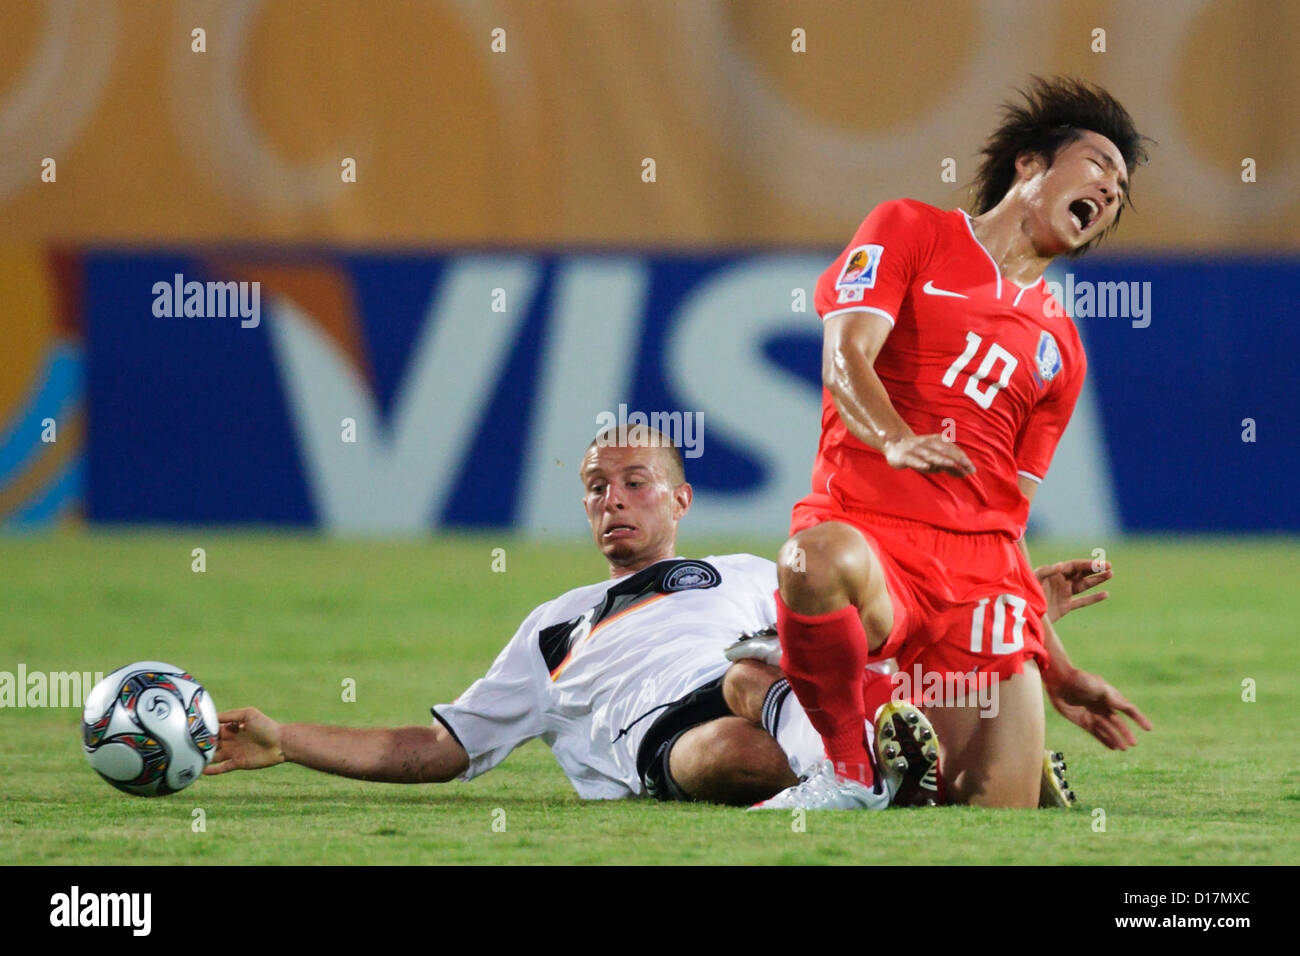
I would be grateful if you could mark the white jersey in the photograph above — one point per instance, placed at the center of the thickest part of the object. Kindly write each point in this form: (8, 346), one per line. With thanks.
(590, 671)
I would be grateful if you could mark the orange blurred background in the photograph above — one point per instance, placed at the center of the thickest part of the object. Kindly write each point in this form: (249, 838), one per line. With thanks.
(543, 143)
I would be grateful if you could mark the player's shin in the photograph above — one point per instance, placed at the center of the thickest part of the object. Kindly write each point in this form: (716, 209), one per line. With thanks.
(786, 721)
(823, 657)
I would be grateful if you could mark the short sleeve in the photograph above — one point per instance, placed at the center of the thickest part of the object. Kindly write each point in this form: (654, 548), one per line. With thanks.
(875, 269)
(1043, 429)
(502, 709)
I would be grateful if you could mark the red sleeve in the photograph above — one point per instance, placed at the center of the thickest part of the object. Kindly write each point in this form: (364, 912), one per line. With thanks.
(1046, 423)
(875, 269)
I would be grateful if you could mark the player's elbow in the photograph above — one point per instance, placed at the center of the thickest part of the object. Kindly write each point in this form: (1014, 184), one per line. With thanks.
(428, 755)
(445, 759)
(453, 768)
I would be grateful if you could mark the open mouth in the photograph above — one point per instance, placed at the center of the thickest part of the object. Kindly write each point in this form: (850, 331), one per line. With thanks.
(618, 531)
(1084, 212)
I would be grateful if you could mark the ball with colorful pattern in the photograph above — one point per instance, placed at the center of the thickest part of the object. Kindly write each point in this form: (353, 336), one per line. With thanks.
(149, 729)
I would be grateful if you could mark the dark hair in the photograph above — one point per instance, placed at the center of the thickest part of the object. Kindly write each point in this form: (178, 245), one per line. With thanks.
(1055, 113)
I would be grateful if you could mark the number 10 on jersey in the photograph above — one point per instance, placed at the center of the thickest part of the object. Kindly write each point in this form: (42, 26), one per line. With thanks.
(983, 396)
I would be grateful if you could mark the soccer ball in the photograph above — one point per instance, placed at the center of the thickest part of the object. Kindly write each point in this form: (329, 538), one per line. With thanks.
(149, 729)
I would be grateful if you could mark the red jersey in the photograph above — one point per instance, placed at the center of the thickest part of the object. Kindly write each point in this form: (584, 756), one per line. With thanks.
(972, 356)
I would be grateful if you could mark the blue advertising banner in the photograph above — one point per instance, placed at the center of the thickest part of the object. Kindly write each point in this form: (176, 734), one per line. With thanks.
(381, 394)
(1197, 405)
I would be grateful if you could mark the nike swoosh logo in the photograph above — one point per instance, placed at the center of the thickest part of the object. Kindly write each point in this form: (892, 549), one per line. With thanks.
(929, 289)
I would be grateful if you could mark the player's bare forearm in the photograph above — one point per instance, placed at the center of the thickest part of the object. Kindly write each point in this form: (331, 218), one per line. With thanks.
(851, 342)
(1061, 668)
(250, 740)
(860, 396)
(1082, 698)
(389, 755)
(1061, 671)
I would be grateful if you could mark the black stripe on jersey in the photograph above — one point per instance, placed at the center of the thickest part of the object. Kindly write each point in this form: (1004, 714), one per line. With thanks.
(663, 577)
(554, 642)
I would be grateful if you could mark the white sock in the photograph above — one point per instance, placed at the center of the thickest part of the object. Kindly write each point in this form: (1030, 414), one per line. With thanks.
(784, 718)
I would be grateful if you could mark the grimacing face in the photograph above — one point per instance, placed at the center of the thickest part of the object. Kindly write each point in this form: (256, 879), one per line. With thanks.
(1077, 198)
(631, 503)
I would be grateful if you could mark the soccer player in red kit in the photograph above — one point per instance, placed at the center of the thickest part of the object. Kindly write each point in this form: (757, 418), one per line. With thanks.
(949, 377)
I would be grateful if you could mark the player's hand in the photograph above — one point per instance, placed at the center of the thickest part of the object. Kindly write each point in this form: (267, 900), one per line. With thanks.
(1065, 579)
(928, 453)
(249, 740)
(1088, 701)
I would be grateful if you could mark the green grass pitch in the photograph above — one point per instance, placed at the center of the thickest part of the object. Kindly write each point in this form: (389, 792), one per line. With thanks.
(278, 622)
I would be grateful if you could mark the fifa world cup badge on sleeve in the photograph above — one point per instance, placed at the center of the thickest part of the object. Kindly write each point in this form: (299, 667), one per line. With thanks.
(859, 272)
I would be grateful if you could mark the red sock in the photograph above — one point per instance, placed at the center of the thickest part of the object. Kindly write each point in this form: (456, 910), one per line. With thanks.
(823, 656)
(877, 690)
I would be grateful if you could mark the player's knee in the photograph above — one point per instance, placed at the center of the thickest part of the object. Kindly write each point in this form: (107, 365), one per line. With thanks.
(729, 761)
(995, 788)
(745, 686)
(996, 761)
(823, 568)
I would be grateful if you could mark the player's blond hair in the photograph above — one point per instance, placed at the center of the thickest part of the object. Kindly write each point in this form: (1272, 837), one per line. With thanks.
(643, 436)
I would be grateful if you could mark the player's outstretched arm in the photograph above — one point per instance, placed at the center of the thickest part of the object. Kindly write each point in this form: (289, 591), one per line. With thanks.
(851, 341)
(250, 740)
(1084, 699)
(1088, 701)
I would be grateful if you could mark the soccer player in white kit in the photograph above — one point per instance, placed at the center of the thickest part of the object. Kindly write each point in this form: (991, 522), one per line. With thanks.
(625, 680)
(592, 673)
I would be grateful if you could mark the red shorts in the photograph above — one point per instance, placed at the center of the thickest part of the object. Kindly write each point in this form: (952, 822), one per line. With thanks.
(962, 602)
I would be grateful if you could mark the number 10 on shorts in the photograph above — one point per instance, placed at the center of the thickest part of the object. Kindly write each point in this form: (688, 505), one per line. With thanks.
(999, 629)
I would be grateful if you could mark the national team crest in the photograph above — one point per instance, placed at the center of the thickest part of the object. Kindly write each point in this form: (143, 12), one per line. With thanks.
(1047, 357)
(689, 575)
(859, 272)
